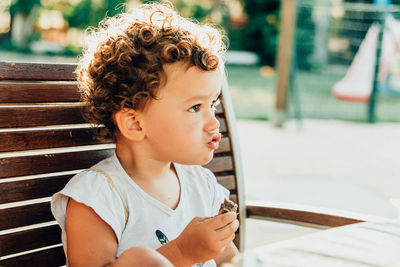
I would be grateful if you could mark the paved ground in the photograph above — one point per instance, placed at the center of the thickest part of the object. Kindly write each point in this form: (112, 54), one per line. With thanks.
(334, 164)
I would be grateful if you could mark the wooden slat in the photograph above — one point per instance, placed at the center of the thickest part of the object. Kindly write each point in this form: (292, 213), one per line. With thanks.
(222, 127)
(219, 109)
(49, 257)
(39, 116)
(42, 116)
(31, 189)
(27, 140)
(13, 92)
(25, 215)
(224, 145)
(30, 239)
(48, 163)
(37, 71)
(236, 241)
(52, 115)
(227, 181)
(233, 197)
(220, 164)
(295, 215)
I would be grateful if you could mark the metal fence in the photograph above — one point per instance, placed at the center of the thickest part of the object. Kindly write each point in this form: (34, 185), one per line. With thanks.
(346, 61)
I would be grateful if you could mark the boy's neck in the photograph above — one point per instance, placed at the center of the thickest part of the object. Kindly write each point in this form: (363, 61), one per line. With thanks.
(140, 167)
(158, 179)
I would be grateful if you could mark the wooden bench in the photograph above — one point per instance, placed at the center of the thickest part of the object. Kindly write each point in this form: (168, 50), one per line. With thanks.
(45, 141)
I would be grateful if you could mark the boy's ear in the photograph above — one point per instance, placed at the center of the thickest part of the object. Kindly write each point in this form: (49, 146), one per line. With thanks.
(129, 124)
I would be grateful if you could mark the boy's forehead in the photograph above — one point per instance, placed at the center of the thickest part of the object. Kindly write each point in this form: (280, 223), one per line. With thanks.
(188, 80)
(182, 67)
(176, 68)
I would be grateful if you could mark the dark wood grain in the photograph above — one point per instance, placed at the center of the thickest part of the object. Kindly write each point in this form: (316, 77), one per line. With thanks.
(27, 140)
(39, 116)
(49, 257)
(227, 181)
(298, 216)
(29, 239)
(14, 92)
(233, 197)
(220, 164)
(32, 188)
(224, 146)
(222, 126)
(236, 241)
(37, 71)
(53, 115)
(49, 163)
(25, 215)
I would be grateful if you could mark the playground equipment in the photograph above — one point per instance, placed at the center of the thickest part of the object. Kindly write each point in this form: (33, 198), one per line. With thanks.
(375, 67)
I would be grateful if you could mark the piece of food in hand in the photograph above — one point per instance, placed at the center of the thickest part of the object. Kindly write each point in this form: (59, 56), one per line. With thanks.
(227, 206)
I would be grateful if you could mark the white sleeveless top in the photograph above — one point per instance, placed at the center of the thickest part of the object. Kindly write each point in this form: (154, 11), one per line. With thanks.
(148, 222)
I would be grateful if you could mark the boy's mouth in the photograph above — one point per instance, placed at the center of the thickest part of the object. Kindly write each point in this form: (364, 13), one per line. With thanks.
(215, 139)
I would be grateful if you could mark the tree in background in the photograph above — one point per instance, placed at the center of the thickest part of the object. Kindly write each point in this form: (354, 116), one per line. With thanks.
(260, 34)
(89, 12)
(78, 14)
(257, 34)
(23, 15)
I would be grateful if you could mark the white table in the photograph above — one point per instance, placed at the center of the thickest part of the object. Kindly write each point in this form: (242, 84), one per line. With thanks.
(361, 244)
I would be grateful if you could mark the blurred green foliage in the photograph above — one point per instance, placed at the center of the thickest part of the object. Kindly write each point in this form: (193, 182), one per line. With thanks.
(22, 6)
(89, 13)
(261, 33)
(193, 10)
(304, 38)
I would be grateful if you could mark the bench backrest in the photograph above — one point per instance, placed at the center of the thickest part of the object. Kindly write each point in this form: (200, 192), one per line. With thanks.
(44, 141)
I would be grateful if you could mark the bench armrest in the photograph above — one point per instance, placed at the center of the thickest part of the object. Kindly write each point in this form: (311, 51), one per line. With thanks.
(304, 215)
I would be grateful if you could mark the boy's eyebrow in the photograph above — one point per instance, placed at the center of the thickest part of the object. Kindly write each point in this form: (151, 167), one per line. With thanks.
(201, 97)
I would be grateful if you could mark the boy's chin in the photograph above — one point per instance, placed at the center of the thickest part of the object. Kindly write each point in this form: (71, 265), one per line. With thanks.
(198, 161)
(206, 160)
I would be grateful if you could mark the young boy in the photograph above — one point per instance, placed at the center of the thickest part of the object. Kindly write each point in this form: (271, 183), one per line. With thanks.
(153, 80)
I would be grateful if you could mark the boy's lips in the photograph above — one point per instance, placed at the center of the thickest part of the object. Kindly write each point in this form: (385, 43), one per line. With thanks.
(214, 142)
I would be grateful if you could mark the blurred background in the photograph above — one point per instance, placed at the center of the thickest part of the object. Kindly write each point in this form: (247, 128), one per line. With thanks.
(337, 144)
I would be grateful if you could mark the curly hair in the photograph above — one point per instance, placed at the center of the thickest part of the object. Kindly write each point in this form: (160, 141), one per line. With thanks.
(122, 63)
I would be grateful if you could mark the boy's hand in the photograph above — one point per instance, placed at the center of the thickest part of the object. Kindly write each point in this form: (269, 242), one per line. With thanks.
(205, 238)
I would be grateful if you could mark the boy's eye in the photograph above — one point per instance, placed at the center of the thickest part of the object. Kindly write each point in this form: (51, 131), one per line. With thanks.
(195, 108)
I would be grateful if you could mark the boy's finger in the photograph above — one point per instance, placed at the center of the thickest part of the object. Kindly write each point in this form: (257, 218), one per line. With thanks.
(201, 219)
(221, 220)
(227, 230)
(227, 240)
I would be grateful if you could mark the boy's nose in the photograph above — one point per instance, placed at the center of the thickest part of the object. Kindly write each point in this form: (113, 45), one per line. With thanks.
(212, 123)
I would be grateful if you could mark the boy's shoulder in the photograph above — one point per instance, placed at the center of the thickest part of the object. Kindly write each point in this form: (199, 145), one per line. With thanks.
(94, 176)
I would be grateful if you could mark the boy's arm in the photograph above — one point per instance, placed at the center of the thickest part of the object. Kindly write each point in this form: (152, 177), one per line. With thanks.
(203, 239)
(92, 242)
(226, 256)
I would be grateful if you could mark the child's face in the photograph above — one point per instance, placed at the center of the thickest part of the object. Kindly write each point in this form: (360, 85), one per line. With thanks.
(180, 125)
